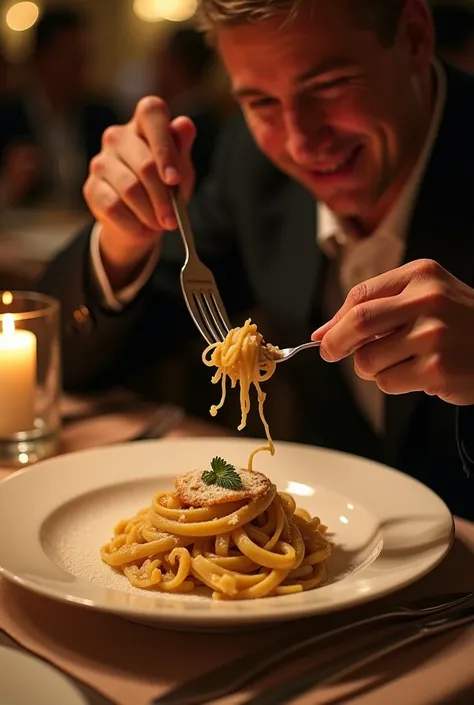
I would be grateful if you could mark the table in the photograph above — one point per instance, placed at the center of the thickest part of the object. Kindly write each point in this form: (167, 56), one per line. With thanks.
(30, 238)
(129, 664)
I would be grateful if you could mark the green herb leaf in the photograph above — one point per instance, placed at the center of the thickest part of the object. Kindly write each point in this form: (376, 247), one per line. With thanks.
(219, 466)
(209, 477)
(230, 480)
(222, 474)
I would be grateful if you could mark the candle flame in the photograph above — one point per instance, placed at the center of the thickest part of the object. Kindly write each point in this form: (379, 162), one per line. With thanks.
(8, 323)
(7, 298)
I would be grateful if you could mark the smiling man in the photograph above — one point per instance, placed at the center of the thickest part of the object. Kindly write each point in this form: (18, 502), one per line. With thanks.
(351, 160)
(340, 107)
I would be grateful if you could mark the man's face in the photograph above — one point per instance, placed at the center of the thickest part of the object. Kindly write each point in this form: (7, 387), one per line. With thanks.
(328, 103)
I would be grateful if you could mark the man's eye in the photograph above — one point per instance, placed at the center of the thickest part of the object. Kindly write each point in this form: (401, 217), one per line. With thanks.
(332, 85)
(262, 103)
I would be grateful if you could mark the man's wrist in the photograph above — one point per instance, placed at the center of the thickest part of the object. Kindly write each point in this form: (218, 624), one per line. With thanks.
(122, 270)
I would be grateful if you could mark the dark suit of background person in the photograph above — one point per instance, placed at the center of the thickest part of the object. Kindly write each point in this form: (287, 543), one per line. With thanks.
(53, 118)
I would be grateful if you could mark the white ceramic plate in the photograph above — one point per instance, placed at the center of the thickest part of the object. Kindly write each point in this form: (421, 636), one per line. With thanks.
(389, 529)
(26, 680)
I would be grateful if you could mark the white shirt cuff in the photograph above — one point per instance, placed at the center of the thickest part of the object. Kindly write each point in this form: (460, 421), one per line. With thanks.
(116, 300)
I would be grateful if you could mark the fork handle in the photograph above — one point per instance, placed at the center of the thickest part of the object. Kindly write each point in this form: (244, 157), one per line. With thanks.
(181, 213)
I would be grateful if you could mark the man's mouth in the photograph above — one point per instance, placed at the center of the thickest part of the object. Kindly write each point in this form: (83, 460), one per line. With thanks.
(340, 167)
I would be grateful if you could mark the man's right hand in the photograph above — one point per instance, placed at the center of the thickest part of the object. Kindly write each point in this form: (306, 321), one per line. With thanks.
(128, 185)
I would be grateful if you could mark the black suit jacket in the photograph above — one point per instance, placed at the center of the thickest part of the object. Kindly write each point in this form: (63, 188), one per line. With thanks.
(256, 229)
(17, 125)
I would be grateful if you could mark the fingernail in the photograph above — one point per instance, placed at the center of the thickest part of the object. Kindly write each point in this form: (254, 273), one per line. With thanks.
(171, 175)
(325, 355)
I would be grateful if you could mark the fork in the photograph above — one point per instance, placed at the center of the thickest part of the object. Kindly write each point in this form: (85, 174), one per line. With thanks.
(197, 282)
(282, 355)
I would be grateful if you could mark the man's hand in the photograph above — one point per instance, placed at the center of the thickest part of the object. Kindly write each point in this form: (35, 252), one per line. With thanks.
(411, 329)
(128, 185)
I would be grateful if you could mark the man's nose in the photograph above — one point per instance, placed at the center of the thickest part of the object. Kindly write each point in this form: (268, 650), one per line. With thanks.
(306, 136)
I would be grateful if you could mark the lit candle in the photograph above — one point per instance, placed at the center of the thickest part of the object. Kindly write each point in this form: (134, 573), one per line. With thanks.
(17, 378)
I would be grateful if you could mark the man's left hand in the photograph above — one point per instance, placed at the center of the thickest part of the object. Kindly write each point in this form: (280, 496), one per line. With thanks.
(410, 329)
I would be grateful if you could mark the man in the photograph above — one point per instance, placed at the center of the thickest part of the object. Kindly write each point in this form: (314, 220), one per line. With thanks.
(454, 25)
(50, 132)
(355, 157)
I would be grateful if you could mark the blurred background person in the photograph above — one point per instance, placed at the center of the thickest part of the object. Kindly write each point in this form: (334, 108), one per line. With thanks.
(180, 69)
(454, 22)
(182, 64)
(51, 129)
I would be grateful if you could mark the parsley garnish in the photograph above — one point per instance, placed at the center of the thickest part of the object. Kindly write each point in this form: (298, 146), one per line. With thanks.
(223, 475)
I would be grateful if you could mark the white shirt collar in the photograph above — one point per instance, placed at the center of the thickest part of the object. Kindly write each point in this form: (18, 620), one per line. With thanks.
(331, 228)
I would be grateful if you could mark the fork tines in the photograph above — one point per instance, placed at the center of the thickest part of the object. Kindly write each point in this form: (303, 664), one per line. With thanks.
(206, 307)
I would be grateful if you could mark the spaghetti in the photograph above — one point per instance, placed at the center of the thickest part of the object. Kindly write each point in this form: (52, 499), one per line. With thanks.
(246, 549)
(243, 357)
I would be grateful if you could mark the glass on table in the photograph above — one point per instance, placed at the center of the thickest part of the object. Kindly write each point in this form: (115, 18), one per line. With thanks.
(30, 377)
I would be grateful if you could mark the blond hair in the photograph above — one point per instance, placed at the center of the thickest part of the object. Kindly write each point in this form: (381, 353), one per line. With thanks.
(382, 15)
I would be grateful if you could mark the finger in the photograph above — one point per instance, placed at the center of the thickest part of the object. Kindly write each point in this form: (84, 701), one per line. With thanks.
(392, 283)
(364, 323)
(107, 207)
(152, 122)
(133, 151)
(419, 340)
(381, 354)
(403, 378)
(128, 187)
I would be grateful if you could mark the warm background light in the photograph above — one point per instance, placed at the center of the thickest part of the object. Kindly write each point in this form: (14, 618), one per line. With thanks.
(171, 10)
(22, 15)
(7, 298)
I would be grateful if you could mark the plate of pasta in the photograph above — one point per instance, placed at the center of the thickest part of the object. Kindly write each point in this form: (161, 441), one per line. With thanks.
(219, 533)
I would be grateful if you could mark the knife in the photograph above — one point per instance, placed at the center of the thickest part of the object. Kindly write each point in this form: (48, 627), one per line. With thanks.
(231, 677)
(284, 693)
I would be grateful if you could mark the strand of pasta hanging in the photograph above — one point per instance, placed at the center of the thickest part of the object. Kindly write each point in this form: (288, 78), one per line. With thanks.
(244, 358)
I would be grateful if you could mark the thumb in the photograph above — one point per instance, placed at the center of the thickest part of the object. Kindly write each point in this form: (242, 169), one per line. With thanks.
(319, 334)
(184, 132)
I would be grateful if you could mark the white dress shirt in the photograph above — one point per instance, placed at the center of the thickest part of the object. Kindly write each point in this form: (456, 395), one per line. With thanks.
(353, 259)
(116, 300)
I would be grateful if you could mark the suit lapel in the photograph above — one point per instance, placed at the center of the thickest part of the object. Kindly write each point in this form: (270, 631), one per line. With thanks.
(442, 229)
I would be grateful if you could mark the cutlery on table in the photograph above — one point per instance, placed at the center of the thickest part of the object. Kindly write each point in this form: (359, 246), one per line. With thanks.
(231, 677)
(286, 692)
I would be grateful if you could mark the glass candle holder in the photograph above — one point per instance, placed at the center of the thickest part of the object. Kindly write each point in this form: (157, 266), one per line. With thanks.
(30, 377)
